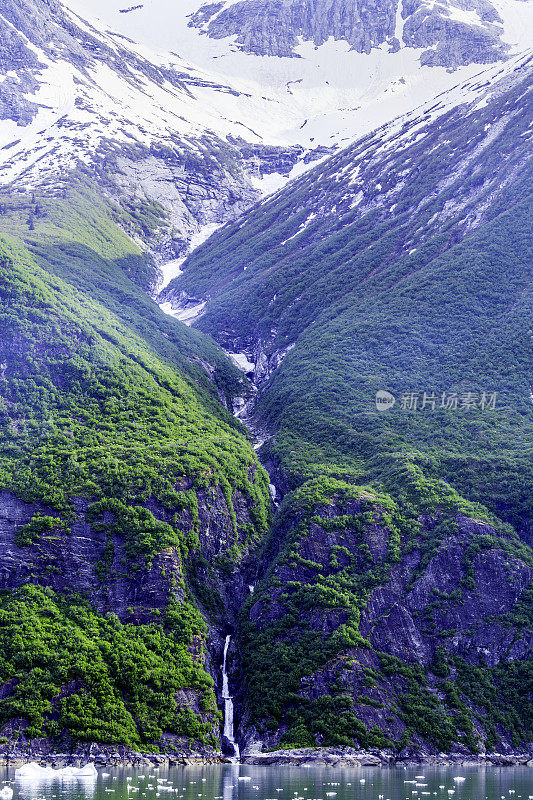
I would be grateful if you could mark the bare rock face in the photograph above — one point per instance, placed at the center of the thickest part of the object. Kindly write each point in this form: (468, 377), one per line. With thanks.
(194, 190)
(271, 28)
(457, 32)
(89, 557)
(21, 65)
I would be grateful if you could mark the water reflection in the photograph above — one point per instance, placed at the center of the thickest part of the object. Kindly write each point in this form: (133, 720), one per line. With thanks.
(242, 782)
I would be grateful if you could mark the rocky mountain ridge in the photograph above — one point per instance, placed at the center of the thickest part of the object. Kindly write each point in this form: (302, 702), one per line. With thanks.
(130, 120)
(451, 34)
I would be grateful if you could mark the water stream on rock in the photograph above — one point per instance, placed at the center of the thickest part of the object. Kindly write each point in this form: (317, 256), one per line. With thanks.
(228, 704)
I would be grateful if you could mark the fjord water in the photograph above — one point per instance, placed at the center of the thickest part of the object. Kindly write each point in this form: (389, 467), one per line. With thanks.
(243, 782)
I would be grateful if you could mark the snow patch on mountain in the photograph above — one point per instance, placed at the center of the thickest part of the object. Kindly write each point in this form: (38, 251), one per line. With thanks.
(172, 268)
(195, 123)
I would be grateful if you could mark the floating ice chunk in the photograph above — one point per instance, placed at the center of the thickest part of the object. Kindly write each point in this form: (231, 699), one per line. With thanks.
(459, 779)
(88, 771)
(6, 793)
(34, 772)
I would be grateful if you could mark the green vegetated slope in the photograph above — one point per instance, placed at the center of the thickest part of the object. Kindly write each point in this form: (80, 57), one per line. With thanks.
(455, 327)
(432, 468)
(394, 605)
(402, 264)
(116, 453)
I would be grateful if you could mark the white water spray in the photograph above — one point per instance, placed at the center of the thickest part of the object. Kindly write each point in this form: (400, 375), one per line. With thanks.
(228, 703)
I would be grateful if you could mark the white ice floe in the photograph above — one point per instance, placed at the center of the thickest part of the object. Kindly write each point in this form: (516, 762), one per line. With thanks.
(34, 772)
(6, 793)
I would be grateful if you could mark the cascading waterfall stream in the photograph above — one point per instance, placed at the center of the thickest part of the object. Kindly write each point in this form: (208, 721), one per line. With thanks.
(228, 703)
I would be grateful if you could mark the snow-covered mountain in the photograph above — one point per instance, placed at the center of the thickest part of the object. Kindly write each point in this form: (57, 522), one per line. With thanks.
(74, 95)
(195, 108)
(341, 67)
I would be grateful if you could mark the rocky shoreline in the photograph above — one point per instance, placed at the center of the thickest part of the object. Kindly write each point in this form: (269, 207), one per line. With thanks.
(350, 757)
(109, 756)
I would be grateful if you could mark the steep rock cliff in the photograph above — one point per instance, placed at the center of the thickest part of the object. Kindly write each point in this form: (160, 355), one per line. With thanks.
(379, 628)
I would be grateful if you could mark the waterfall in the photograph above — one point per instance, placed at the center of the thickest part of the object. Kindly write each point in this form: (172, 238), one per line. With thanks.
(228, 703)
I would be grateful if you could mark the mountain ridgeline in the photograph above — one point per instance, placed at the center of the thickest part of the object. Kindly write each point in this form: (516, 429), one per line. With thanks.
(364, 575)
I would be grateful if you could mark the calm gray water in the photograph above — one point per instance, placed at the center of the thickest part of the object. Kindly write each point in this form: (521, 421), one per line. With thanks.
(240, 782)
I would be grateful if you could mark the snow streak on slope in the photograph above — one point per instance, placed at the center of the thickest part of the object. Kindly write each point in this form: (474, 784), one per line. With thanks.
(379, 175)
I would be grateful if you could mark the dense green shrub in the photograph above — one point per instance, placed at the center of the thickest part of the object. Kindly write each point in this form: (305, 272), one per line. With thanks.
(71, 670)
(31, 532)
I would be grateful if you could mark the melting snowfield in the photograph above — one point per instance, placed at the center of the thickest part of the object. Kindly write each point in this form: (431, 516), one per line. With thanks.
(327, 96)
(330, 94)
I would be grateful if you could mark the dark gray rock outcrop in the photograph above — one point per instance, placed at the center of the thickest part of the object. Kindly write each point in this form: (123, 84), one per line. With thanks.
(456, 32)
(271, 28)
(72, 560)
